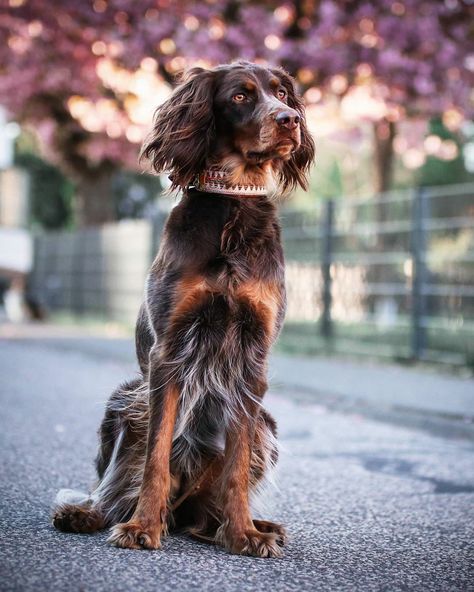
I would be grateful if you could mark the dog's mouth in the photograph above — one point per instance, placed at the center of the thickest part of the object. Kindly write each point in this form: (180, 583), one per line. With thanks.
(282, 149)
(287, 145)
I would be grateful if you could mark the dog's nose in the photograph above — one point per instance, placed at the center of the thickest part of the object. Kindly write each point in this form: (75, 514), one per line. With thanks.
(288, 118)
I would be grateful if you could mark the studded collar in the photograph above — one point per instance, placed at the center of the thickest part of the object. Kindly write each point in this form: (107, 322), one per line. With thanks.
(215, 181)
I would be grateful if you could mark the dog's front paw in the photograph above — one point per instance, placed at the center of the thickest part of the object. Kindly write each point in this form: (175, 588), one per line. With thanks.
(278, 529)
(133, 535)
(261, 544)
(254, 543)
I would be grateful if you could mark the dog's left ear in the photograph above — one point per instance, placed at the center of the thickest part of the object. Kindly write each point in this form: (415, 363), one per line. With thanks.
(295, 171)
(183, 129)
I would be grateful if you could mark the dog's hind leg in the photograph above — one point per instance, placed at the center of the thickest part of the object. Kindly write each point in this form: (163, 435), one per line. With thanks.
(119, 466)
(76, 514)
(122, 403)
(115, 497)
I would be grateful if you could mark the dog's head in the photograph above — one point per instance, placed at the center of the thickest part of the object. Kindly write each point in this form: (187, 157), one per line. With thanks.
(244, 118)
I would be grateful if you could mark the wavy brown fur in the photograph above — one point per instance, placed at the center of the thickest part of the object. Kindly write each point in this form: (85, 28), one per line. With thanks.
(188, 130)
(214, 304)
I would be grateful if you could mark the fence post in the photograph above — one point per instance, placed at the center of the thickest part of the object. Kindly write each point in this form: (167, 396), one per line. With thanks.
(418, 244)
(326, 259)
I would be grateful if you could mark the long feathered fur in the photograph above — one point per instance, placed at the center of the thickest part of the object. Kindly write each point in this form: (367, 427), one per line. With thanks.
(214, 304)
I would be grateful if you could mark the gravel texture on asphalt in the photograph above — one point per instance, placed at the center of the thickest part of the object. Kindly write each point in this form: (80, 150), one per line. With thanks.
(368, 506)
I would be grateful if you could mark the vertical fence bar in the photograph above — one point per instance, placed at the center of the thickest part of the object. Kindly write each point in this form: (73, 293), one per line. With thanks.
(77, 275)
(419, 277)
(326, 259)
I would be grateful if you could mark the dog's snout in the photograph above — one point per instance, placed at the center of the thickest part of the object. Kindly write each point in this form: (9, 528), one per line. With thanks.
(288, 118)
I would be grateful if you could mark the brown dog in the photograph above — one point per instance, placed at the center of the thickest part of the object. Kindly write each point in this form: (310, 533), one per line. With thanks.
(184, 445)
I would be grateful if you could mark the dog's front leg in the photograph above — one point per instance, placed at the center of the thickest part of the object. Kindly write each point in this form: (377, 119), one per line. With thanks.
(144, 529)
(237, 532)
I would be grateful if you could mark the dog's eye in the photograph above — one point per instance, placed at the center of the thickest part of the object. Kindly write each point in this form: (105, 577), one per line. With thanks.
(239, 98)
(282, 94)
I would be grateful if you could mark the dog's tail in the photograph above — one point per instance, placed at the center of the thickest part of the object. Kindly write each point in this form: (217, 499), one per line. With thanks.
(73, 512)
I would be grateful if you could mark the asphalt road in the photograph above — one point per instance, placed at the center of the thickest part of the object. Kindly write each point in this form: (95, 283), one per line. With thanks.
(368, 505)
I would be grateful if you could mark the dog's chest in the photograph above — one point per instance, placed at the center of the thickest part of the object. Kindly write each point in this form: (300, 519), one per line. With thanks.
(250, 247)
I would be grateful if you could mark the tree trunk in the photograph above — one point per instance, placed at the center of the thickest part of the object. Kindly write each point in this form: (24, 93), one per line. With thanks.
(384, 133)
(93, 203)
(93, 199)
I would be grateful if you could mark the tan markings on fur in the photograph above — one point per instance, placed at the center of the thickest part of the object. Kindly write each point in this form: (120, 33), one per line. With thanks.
(147, 524)
(237, 532)
(157, 479)
(259, 461)
(249, 85)
(241, 173)
(266, 299)
(235, 497)
(189, 293)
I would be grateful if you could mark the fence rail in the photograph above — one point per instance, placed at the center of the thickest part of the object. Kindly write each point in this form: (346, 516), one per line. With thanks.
(391, 275)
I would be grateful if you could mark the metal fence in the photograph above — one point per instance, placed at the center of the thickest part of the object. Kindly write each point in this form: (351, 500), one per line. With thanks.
(98, 272)
(389, 276)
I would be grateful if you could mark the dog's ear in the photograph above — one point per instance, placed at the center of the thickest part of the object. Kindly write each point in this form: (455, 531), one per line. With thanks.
(295, 171)
(183, 129)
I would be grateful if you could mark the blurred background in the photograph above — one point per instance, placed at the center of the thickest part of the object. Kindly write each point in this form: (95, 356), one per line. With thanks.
(380, 250)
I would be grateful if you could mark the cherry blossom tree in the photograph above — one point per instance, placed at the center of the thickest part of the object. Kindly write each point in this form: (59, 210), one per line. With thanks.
(87, 75)
(387, 60)
(60, 75)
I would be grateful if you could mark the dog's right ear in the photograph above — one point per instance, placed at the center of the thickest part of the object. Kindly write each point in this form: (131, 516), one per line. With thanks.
(183, 129)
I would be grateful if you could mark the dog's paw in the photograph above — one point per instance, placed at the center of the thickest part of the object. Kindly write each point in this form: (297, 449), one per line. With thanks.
(278, 529)
(261, 544)
(133, 535)
(254, 543)
(71, 518)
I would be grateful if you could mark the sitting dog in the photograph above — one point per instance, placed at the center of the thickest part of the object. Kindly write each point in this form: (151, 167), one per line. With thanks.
(184, 445)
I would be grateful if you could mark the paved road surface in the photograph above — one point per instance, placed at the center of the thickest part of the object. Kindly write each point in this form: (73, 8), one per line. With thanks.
(368, 505)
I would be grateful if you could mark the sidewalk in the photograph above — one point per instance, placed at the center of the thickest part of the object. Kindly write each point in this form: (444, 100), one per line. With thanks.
(368, 505)
(382, 386)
